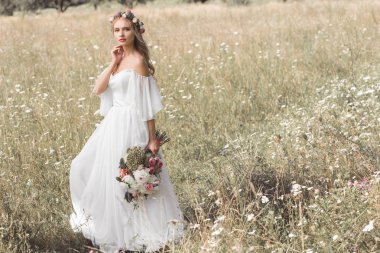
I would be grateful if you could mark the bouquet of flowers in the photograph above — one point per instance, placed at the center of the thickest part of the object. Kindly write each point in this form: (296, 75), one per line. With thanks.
(139, 170)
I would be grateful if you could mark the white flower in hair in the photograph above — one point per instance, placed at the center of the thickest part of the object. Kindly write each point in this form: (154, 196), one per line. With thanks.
(134, 20)
(124, 15)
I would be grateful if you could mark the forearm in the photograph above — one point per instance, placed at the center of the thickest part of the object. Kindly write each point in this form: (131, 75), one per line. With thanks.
(152, 129)
(102, 81)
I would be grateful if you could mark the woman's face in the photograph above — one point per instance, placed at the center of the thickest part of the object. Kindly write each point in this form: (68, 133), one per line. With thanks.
(123, 32)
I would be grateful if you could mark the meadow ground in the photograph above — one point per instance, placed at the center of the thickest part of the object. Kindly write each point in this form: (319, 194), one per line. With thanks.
(273, 110)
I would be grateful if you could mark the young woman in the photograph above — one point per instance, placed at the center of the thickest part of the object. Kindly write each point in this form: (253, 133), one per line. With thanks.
(129, 100)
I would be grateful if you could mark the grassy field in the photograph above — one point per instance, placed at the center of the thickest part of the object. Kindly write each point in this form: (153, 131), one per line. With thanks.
(273, 110)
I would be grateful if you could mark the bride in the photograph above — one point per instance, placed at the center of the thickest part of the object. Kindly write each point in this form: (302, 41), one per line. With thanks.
(129, 100)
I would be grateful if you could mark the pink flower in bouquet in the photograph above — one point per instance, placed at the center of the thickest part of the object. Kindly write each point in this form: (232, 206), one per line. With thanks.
(123, 173)
(152, 161)
(151, 170)
(160, 164)
(149, 187)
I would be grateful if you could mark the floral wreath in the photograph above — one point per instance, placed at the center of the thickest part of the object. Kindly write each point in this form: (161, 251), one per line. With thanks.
(128, 14)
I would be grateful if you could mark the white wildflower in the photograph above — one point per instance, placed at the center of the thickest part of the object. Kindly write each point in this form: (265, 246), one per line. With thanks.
(369, 227)
(220, 218)
(194, 226)
(296, 189)
(252, 232)
(211, 193)
(264, 199)
(218, 202)
(250, 217)
(217, 232)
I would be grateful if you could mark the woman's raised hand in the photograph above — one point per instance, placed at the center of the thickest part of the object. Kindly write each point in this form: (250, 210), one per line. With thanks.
(117, 54)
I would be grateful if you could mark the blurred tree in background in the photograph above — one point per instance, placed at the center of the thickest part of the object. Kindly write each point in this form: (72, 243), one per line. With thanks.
(8, 7)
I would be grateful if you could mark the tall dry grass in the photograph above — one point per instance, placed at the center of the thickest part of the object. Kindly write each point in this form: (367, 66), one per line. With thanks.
(273, 110)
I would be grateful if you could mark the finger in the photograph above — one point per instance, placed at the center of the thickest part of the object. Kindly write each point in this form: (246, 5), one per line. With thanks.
(115, 48)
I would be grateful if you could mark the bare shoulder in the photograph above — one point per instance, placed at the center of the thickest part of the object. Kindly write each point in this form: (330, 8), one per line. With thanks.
(140, 66)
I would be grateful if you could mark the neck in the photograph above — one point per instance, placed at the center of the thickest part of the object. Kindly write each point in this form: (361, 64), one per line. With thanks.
(128, 49)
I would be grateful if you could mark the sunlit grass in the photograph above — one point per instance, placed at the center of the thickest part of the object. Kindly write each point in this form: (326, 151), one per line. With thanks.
(272, 110)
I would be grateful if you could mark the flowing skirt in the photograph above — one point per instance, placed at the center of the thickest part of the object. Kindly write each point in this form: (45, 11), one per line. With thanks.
(100, 211)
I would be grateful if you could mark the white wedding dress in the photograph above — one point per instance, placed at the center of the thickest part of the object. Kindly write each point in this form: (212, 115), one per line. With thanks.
(100, 211)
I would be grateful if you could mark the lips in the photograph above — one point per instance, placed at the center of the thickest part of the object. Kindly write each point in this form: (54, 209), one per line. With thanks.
(121, 40)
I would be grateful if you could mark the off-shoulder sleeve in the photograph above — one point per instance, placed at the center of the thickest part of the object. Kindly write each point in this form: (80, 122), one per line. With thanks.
(147, 96)
(106, 100)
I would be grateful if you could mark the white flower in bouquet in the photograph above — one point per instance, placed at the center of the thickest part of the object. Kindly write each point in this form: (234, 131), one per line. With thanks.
(129, 180)
(153, 179)
(128, 183)
(140, 188)
(126, 187)
(141, 176)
